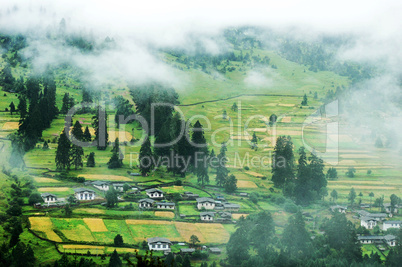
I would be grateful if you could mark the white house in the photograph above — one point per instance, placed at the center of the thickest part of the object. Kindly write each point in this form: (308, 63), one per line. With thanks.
(207, 216)
(159, 243)
(338, 208)
(146, 203)
(165, 205)
(48, 198)
(390, 240)
(101, 185)
(368, 222)
(154, 193)
(387, 207)
(118, 187)
(206, 203)
(84, 194)
(391, 224)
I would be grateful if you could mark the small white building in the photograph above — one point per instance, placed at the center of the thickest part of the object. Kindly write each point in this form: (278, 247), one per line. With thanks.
(207, 216)
(159, 244)
(84, 194)
(146, 203)
(391, 224)
(118, 187)
(338, 208)
(368, 222)
(165, 205)
(154, 193)
(206, 203)
(101, 185)
(390, 240)
(48, 198)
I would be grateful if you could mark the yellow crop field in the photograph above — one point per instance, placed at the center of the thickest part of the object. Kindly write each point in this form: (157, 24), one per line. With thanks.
(148, 222)
(11, 125)
(121, 250)
(95, 224)
(167, 214)
(213, 232)
(105, 177)
(186, 230)
(246, 184)
(237, 216)
(45, 225)
(74, 246)
(53, 189)
(123, 136)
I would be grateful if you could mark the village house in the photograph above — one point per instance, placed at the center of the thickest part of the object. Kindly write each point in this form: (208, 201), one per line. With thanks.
(206, 203)
(118, 187)
(376, 216)
(165, 205)
(231, 206)
(391, 224)
(390, 240)
(84, 194)
(338, 208)
(388, 207)
(154, 193)
(189, 195)
(101, 185)
(207, 216)
(48, 198)
(159, 244)
(146, 203)
(187, 250)
(224, 217)
(368, 222)
(215, 250)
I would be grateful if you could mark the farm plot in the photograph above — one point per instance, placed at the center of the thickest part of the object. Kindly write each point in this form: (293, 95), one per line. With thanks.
(246, 184)
(10, 125)
(123, 136)
(166, 214)
(143, 229)
(83, 249)
(95, 224)
(89, 211)
(45, 180)
(74, 229)
(44, 225)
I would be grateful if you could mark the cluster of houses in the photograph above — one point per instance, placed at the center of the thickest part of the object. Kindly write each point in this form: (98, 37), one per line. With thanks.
(390, 240)
(211, 204)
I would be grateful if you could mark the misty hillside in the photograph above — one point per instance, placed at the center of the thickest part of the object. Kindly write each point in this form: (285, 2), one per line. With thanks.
(190, 135)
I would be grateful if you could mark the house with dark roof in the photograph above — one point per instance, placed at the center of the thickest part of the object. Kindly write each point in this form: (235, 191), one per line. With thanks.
(189, 195)
(187, 250)
(215, 250)
(84, 194)
(146, 203)
(159, 244)
(101, 185)
(391, 224)
(206, 203)
(48, 197)
(207, 216)
(118, 187)
(231, 206)
(165, 205)
(154, 193)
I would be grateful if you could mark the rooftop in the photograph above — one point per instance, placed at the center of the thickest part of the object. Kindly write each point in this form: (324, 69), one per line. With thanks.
(158, 240)
(80, 190)
(205, 199)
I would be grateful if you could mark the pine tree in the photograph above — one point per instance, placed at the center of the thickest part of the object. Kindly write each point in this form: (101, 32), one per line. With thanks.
(352, 196)
(334, 195)
(282, 162)
(63, 152)
(162, 139)
(91, 160)
(221, 170)
(304, 102)
(115, 260)
(33, 90)
(77, 153)
(17, 153)
(303, 183)
(181, 148)
(296, 238)
(76, 131)
(146, 157)
(87, 135)
(115, 161)
(68, 103)
(12, 108)
(200, 153)
(100, 126)
(316, 167)
(230, 184)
